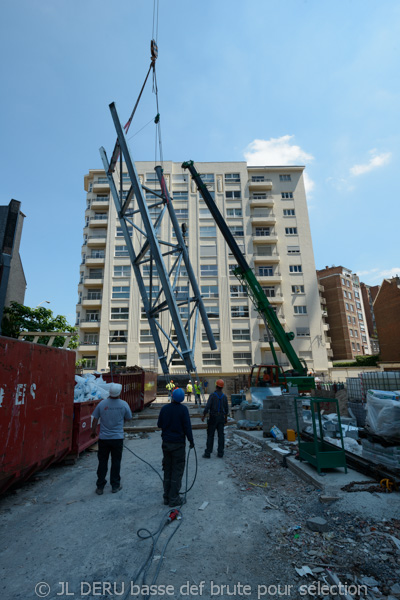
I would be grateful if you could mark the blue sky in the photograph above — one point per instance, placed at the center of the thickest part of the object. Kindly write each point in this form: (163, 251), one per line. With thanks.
(271, 81)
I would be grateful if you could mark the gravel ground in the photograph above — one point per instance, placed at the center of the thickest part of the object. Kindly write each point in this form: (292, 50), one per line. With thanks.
(253, 532)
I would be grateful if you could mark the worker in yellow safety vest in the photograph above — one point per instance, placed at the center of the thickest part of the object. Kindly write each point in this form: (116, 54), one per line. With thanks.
(189, 390)
(170, 386)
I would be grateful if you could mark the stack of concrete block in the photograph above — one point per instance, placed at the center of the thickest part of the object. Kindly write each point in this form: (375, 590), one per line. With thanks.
(280, 411)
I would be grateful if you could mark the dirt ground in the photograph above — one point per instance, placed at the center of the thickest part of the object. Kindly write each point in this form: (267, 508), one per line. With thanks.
(61, 540)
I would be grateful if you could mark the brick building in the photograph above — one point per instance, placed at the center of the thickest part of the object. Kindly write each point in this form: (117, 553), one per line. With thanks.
(369, 293)
(344, 312)
(387, 316)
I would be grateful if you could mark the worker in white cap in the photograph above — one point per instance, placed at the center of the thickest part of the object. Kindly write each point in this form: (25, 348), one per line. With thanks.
(112, 413)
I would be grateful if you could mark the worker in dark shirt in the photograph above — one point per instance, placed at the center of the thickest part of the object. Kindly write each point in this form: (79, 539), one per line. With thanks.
(217, 407)
(174, 422)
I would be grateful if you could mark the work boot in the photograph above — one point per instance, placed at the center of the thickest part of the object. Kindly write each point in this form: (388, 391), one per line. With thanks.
(116, 489)
(220, 456)
(178, 502)
(205, 455)
(99, 491)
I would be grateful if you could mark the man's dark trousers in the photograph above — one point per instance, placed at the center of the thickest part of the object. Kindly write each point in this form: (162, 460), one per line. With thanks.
(105, 448)
(215, 422)
(173, 467)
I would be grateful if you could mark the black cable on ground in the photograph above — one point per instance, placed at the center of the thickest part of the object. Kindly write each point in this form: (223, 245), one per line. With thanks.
(145, 461)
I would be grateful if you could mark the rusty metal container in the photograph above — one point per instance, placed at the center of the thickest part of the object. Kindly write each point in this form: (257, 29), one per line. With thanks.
(36, 408)
(81, 430)
(139, 389)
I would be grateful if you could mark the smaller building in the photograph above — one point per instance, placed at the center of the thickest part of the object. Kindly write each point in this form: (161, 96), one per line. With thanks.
(387, 317)
(369, 293)
(344, 312)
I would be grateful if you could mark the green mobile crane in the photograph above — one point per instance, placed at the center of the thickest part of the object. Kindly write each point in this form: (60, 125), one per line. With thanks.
(273, 373)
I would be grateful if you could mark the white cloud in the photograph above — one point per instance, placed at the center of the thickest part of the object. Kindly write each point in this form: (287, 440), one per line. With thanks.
(376, 276)
(277, 152)
(376, 161)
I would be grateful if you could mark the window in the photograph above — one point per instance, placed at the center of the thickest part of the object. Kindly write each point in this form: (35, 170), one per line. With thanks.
(358, 347)
(118, 336)
(209, 291)
(232, 177)
(120, 313)
(345, 293)
(289, 212)
(208, 250)
(90, 363)
(231, 269)
(91, 338)
(97, 254)
(209, 231)
(297, 289)
(351, 332)
(180, 196)
(348, 283)
(264, 251)
(209, 270)
(234, 212)
(356, 295)
(347, 306)
(262, 231)
(300, 310)
(215, 333)
(343, 281)
(239, 335)
(145, 336)
(181, 213)
(181, 292)
(360, 317)
(151, 177)
(121, 251)
(102, 180)
(265, 271)
(353, 345)
(146, 270)
(120, 291)
(287, 195)
(154, 291)
(242, 358)
(238, 291)
(119, 233)
(259, 196)
(293, 249)
(204, 213)
(212, 360)
(354, 320)
(92, 315)
(364, 338)
(122, 270)
(95, 273)
(212, 311)
(358, 305)
(237, 231)
(180, 178)
(349, 295)
(257, 178)
(356, 333)
(233, 195)
(295, 269)
(303, 331)
(207, 177)
(362, 327)
(351, 308)
(94, 295)
(349, 318)
(285, 178)
(291, 230)
(117, 360)
(239, 311)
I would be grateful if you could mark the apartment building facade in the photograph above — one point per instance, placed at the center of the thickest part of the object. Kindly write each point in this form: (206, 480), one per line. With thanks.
(369, 293)
(387, 315)
(265, 208)
(345, 312)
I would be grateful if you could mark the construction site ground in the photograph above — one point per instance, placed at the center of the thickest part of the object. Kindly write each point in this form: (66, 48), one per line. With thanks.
(252, 540)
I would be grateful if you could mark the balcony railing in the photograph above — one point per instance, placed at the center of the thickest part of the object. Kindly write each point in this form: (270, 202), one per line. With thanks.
(96, 297)
(96, 322)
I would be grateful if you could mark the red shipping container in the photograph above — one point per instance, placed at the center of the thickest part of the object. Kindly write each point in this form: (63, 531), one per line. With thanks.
(36, 408)
(138, 389)
(81, 430)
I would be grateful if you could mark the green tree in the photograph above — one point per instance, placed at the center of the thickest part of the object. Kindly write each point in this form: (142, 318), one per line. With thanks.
(18, 318)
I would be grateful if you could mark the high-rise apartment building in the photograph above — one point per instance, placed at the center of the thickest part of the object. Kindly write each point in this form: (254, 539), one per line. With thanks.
(345, 312)
(387, 315)
(369, 293)
(265, 208)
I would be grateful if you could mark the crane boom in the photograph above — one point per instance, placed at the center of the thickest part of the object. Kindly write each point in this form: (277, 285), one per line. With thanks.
(246, 276)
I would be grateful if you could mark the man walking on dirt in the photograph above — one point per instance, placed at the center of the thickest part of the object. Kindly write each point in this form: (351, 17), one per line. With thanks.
(112, 413)
(217, 406)
(174, 421)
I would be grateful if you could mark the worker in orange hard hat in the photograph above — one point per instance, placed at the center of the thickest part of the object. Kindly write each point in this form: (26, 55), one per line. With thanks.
(217, 408)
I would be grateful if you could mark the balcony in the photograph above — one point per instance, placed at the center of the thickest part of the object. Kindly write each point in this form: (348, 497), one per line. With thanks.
(266, 259)
(264, 344)
(99, 203)
(100, 186)
(281, 317)
(264, 239)
(96, 240)
(95, 262)
(93, 281)
(91, 302)
(99, 221)
(255, 186)
(262, 202)
(89, 346)
(263, 219)
(325, 326)
(267, 279)
(322, 300)
(278, 299)
(89, 325)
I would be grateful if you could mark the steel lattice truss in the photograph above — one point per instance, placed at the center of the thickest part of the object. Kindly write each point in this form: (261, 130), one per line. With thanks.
(152, 254)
